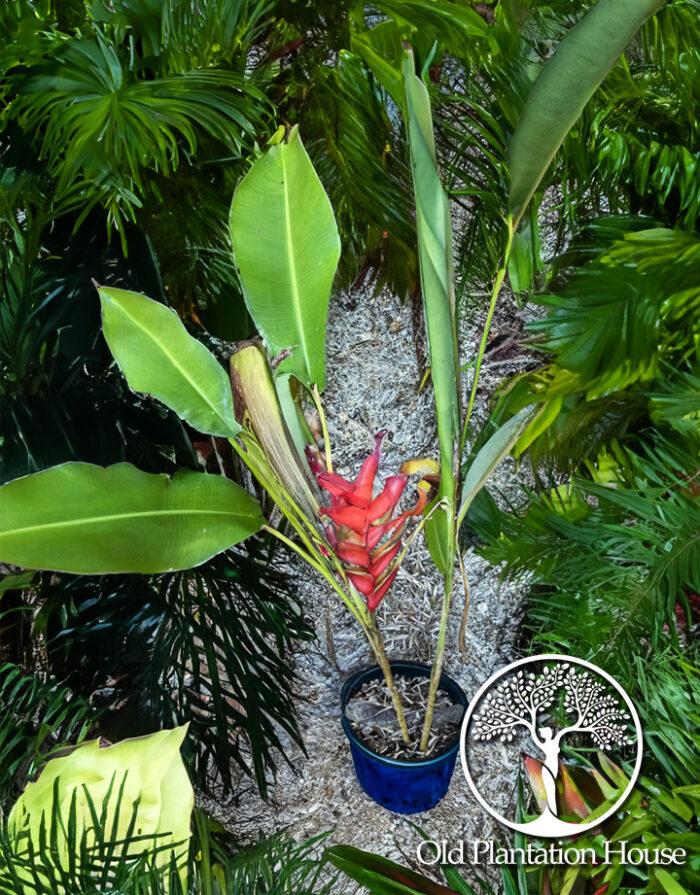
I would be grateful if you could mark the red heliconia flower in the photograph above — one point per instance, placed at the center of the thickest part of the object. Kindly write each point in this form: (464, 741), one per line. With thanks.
(362, 532)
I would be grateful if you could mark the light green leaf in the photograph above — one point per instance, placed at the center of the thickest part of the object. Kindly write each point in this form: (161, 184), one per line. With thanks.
(435, 253)
(566, 83)
(158, 356)
(671, 885)
(89, 519)
(286, 245)
(151, 777)
(490, 455)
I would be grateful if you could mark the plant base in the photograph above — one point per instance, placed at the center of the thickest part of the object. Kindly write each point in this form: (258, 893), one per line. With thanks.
(406, 787)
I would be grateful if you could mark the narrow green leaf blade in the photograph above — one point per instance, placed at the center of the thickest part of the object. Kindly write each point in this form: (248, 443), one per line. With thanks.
(90, 519)
(286, 245)
(670, 884)
(381, 51)
(566, 83)
(435, 252)
(380, 875)
(158, 356)
(490, 456)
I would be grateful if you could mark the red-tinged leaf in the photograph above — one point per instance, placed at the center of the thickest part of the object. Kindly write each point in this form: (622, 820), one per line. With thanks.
(378, 874)
(363, 582)
(386, 501)
(353, 517)
(384, 560)
(534, 775)
(587, 784)
(357, 556)
(376, 597)
(572, 801)
(603, 889)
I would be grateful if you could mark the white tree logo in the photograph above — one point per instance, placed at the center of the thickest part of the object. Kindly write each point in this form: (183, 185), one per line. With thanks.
(590, 702)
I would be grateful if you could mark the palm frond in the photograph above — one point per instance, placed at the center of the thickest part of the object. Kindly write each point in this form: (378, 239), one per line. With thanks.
(363, 165)
(101, 125)
(606, 565)
(37, 717)
(210, 646)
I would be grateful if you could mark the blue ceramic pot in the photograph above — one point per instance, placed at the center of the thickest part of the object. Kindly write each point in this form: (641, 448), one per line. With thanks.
(402, 786)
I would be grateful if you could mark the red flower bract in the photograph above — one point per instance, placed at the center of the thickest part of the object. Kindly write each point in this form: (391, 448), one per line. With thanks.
(363, 533)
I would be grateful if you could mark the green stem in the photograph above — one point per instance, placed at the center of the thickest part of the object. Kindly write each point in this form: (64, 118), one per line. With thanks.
(324, 428)
(436, 671)
(359, 610)
(495, 292)
(376, 641)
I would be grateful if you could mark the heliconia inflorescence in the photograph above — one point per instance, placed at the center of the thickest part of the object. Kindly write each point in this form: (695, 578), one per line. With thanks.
(361, 529)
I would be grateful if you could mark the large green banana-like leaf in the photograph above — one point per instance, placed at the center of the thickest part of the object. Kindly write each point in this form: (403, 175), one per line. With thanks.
(286, 245)
(435, 253)
(158, 356)
(565, 85)
(90, 519)
(142, 779)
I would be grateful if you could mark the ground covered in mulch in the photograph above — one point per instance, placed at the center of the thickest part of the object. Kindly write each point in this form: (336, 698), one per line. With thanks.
(373, 382)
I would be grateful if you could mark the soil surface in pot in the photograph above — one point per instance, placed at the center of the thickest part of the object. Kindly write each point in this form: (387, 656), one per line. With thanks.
(373, 720)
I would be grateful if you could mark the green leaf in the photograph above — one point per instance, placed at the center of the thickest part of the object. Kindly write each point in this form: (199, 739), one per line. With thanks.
(565, 85)
(451, 21)
(490, 455)
(671, 885)
(18, 581)
(257, 405)
(435, 252)
(158, 356)
(381, 51)
(379, 875)
(286, 246)
(89, 519)
(145, 775)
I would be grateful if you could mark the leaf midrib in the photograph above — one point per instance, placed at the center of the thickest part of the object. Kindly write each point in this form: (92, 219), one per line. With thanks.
(293, 271)
(142, 514)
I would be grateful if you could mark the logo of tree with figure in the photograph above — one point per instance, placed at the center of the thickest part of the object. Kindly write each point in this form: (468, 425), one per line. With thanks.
(521, 700)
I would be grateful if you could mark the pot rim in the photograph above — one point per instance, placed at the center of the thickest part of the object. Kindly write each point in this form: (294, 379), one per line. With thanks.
(351, 683)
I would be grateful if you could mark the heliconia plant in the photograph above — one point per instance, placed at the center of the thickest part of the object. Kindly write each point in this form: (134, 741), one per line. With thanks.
(81, 518)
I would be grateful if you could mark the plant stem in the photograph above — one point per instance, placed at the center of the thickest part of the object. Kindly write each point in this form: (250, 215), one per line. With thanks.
(495, 292)
(436, 671)
(376, 640)
(324, 428)
(465, 613)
